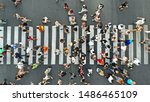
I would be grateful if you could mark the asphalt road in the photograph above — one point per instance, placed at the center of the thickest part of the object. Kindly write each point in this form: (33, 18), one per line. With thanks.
(36, 9)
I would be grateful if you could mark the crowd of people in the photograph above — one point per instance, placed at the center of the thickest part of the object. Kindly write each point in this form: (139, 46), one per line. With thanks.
(116, 70)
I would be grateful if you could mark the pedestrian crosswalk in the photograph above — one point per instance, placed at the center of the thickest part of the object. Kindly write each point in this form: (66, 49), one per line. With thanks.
(131, 46)
(146, 54)
(51, 36)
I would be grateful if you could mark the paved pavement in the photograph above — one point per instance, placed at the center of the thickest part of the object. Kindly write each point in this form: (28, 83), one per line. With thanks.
(36, 9)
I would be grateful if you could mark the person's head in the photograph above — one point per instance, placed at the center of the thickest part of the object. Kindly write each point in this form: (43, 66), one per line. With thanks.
(75, 29)
(65, 64)
(106, 63)
(23, 62)
(106, 54)
(113, 64)
(114, 37)
(62, 40)
(24, 24)
(49, 66)
(39, 54)
(27, 55)
(65, 4)
(108, 46)
(37, 27)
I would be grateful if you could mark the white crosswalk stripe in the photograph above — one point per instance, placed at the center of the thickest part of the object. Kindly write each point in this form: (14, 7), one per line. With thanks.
(115, 35)
(107, 36)
(122, 52)
(84, 44)
(53, 44)
(99, 49)
(1, 41)
(23, 40)
(145, 53)
(38, 43)
(69, 41)
(61, 45)
(16, 40)
(20, 36)
(30, 46)
(46, 38)
(138, 45)
(8, 59)
(76, 38)
(131, 46)
(91, 35)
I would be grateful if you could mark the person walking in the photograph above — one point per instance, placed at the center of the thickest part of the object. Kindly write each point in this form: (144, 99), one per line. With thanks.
(16, 2)
(40, 28)
(45, 20)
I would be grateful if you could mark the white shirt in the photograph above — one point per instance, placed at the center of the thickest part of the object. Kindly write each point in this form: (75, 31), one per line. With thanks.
(137, 62)
(57, 51)
(110, 79)
(140, 22)
(115, 60)
(46, 77)
(17, 15)
(20, 65)
(90, 71)
(123, 48)
(121, 26)
(124, 58)
(84, 17)
(73, 59)
(91, 43)
(97, 12)
(28, 50)
(47, 71)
